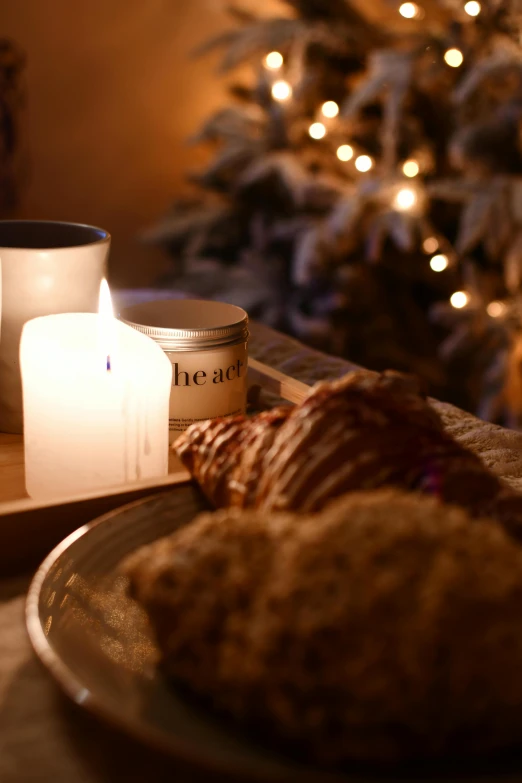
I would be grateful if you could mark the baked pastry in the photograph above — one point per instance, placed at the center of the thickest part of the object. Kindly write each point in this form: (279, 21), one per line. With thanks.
(363, 431)
(385, 628)
(226, 454)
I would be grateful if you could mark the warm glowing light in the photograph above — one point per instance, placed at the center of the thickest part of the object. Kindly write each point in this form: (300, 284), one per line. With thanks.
(274, 60)
(281, 91)
(410, 168)
(430, 245)
(439, 263)
(330, 109)
(472, 8)
(345, 152)
(106, 324)
(317, 130)
(459, 299)
(409, 10)
(363, 163)
(454, 58)
(496, 309)
(105, 308)
(405, 199)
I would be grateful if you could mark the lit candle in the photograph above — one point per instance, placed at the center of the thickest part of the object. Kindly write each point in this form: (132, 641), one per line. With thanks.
(96, 403)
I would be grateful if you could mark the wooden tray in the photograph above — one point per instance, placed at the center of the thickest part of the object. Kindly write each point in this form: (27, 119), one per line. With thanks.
(29, 529)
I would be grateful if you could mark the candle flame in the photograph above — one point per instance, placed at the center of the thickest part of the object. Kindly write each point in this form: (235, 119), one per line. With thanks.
(106, 322)
(105, 302)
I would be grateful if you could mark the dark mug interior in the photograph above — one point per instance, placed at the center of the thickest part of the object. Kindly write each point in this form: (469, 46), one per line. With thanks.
(48, 234)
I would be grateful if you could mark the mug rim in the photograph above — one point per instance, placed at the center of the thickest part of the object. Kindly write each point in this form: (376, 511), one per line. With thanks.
(96, 240)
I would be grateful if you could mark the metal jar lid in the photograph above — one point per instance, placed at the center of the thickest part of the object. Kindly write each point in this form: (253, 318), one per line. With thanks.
(188, 324)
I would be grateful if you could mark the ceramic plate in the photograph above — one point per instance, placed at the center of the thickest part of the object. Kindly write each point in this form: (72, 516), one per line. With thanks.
(96, 643)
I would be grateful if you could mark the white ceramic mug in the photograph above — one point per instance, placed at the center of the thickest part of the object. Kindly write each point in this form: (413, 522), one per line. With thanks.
(47, 268)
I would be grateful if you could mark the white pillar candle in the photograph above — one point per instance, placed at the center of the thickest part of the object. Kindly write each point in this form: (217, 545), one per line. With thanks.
(96, 404)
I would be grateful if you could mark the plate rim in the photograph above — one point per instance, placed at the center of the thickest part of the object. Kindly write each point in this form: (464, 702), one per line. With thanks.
(71, 686)
(62, 674)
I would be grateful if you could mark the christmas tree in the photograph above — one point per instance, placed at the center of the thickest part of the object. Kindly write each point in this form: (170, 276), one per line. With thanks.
(365, 193)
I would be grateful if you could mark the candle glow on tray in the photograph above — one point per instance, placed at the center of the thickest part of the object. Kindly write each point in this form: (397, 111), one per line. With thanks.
(96, 401)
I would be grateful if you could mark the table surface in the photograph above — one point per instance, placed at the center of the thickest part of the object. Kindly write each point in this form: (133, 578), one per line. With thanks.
(43, 738)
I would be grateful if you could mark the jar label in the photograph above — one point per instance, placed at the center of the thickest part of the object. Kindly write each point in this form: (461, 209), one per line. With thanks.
(206, 384)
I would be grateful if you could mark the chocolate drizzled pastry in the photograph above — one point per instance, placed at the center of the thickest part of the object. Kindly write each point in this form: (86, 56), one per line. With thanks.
(386, 627)
(226, 455)
(363, 431)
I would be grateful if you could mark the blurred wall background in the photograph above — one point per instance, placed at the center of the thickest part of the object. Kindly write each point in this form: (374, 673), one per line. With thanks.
(112, 95)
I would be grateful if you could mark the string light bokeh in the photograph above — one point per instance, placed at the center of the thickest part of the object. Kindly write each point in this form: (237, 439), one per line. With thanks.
(405, 199)
(409, 10)
(274, 61)
(345, 152)
(363, 163)
(496, 309)
(317, 130)
(454, 58)
(281, 90)
(430, 245)
(473, 8)
(410, 168)
(459, 299)
(330, 109)
(439, 263)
